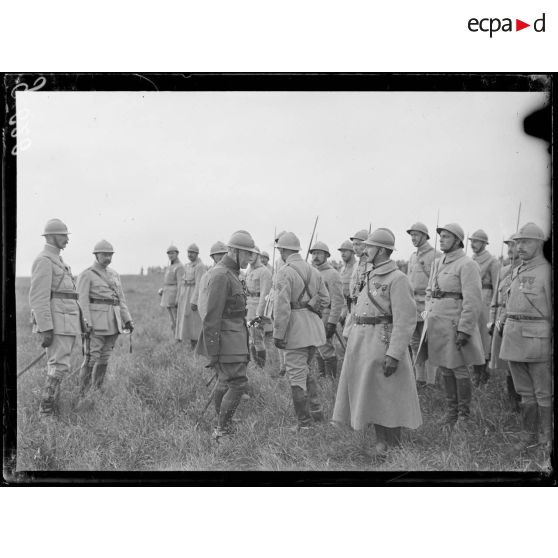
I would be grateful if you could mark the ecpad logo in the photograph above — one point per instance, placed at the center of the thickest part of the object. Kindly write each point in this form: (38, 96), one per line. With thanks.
(492, 25)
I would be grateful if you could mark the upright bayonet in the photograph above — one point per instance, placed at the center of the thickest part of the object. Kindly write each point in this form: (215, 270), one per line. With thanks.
(312, 238)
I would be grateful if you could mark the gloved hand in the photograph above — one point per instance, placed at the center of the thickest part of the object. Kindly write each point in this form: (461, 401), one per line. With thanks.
(194, 307)
(490, 326)
(47, 337)
(279, 343)
(330, 330)
(500, 327)
(160, 292)
(342, 320)
(461, 339)
(88, 329)
(213, 360)
(390, 366)
(129, 326)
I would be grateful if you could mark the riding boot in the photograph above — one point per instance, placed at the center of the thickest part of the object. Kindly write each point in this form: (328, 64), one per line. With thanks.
(463, 399)
(193, 343)
(331, 367)
(229, 404)
(85, 379)
(381, 441)
(99, 375)
(321, 365)
(314, 401)
(476, 374)
(220, 392)
(260, 358)
(300, 403)
(484, 374)
(450, 387)
(514, 398)
(253, 354)
(545, 418)
(48, 404)
(529, 428)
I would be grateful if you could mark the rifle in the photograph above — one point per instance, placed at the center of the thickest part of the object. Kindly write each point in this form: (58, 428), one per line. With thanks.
(312, 238)
(269, 298)
(22, 372)
(516, 231)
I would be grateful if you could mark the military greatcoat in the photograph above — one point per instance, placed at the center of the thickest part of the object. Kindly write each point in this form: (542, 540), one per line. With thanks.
(172, 278)
(188, 322)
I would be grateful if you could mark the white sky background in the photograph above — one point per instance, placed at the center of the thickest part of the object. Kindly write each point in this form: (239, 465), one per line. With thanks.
(144, 169)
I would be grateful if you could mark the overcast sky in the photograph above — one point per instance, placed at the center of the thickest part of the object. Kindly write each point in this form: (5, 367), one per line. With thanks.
(143, 170)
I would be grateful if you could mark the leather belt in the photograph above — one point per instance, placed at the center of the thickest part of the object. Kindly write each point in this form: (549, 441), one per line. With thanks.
(109, 301)
(372, 320)
(253, 294)
(419, 292)
(169, 284)
(487, 286)
(298, 306)
(235, 314)
(447, 294)
(525, 317)
(59, 294)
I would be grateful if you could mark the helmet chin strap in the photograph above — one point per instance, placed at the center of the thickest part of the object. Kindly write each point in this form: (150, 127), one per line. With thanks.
(238, 258)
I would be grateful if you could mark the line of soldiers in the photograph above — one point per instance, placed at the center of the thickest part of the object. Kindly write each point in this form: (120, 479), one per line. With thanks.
(450, 312)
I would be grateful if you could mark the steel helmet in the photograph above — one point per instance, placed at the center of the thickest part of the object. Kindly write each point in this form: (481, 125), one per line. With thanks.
(218, 248)
(242, 240)
(530, 231)
(454, 229)
(289, 241)
(172, 248)
(320, 246)
(419, 227)
(279, 235)
(257, 250)
(382, 237)
(193, 248)
(360, 235)
(510, 240)
(103, 246)
(264, 255)
(55, 226)
(479, 235)
(346, 245)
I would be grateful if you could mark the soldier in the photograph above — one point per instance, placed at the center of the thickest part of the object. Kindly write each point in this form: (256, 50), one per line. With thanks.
(420, 266)
(224, 335)
(349, 262)
(326, 357)
(377, 383)
(264, 257)
(188, 325)
(172, 278)
(453, 302)
(54, 310)
(488, 265)
(258, 285)
(527, 335)
(497, 310)
(359, 274)
(216, 253)
(300, 298)
(105, 315)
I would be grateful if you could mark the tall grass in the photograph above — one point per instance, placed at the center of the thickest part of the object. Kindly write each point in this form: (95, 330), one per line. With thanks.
(145, 419)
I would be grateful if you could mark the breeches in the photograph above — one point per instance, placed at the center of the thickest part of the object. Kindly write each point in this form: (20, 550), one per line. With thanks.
(533, 381)
(100, 348)
(460, 372)
(297, 362)
(232, 374)
(58, 355)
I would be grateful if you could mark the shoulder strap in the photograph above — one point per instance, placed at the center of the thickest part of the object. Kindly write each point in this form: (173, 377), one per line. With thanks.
(103, 279)
(372, 299)
(305, 281)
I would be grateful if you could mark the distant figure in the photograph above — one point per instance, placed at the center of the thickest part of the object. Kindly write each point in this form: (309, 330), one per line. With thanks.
(54, 310)
(105, 315)
(171, 280)
(141, 271)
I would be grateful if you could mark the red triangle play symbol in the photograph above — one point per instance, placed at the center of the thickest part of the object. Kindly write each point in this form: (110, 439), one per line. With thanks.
(519, 25)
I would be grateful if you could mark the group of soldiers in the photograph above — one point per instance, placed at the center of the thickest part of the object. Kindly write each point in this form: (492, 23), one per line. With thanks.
(450, 315)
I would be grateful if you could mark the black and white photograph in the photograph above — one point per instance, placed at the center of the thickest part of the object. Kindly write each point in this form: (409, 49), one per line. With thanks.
(333, 274)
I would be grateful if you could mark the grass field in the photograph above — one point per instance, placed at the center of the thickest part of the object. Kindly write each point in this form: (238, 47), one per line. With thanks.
(144, 420)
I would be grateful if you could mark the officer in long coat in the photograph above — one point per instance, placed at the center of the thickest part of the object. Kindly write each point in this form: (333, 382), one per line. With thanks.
(488, 266)
(298, 329)
(349, 261)
(495, 327)
(258, 285)
(526, 342)
(377, 384)
(419, 270)
(55, 312)
(169, 291)
(216, 253)
(188, 323)
(453, 302)
(326, 355)
(105, 315)
(224, 335)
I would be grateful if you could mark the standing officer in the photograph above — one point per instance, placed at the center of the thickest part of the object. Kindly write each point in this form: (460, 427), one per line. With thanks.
(488, 265)
(326, 357)
(527, 334)
(54, 310)
(224, 335)
(377, 383)
(216, 253)
(497, 311)
(349, 262)
(300, 298)
(188, 323)
(105, 315)
(453, 302)
(420, 266)
(172, 278)
(258, 285)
